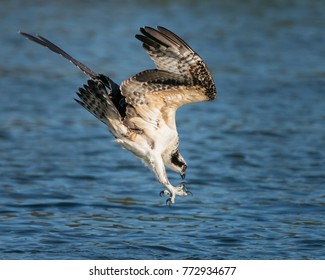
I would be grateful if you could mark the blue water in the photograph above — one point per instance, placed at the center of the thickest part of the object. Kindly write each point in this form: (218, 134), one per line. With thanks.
(256, 156)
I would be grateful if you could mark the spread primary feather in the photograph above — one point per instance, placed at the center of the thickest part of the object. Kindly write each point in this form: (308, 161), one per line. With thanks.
(140, 113)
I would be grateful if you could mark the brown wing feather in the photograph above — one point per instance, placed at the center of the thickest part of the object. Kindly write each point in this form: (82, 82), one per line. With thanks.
(170, 53)
(156, 94)
(167, 51)
(181, 77)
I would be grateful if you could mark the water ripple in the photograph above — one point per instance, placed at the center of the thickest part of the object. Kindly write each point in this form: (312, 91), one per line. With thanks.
(255, 156)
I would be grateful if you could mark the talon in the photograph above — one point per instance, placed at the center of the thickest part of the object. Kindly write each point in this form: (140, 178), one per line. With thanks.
(183, 187)
(164, 192)
(179, 190)
(183, 184)
(168, 202)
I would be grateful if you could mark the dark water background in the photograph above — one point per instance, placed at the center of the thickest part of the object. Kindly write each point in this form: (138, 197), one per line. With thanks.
(256, 156)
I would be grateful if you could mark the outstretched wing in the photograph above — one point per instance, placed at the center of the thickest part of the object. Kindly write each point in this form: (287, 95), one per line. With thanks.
(54, 48)
(181, 77)
(95, 98)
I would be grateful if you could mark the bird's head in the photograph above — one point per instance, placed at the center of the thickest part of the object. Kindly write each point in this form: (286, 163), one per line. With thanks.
(183, 171)
(178, 164)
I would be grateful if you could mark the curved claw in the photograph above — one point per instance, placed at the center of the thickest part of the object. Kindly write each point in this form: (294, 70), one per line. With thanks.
(183, 183)
(169, 202)
(179, 190)
(183, 186)
(163, 193)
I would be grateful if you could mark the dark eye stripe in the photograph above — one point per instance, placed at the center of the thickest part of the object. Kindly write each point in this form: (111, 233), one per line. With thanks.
(175, 159)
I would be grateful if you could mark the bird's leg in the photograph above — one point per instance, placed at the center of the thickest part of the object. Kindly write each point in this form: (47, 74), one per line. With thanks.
(158, 167)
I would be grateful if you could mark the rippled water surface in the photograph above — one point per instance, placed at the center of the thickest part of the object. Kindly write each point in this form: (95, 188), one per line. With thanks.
(256, 156)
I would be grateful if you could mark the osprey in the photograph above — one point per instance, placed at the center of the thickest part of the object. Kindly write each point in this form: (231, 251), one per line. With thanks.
(140, 113)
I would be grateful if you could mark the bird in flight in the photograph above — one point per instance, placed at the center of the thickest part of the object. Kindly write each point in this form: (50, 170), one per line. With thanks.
(140, 113)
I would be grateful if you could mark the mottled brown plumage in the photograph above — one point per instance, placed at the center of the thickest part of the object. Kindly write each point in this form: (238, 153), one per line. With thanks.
(140, 113)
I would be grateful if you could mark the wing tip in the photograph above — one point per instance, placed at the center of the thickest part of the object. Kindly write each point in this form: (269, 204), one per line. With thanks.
(153, 37)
